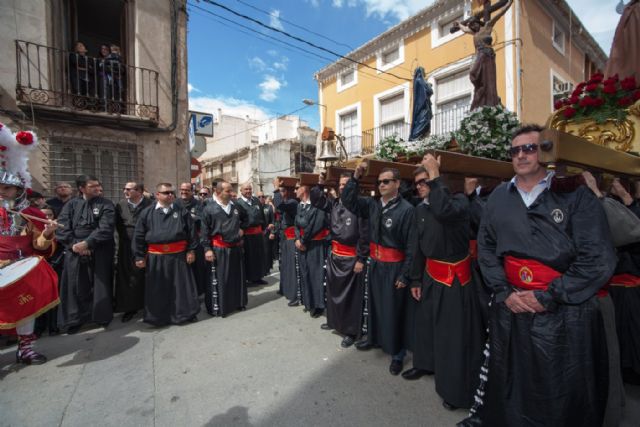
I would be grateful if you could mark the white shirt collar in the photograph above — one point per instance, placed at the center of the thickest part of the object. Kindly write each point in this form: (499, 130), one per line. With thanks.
(245, 199)
(165, 210)
(135, 205)
(546, 181)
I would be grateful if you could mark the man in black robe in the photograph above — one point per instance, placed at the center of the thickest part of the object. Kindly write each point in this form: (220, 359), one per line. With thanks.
(87, 279)
(311, 228)
(269, 235)
(287, 206)
(222, 231)
(64, 193)
(254, 245)
(345, 264)
(545, 255)
(391, 222)
(129, 291)
(448, 322)
(194, 206)
(164, 242)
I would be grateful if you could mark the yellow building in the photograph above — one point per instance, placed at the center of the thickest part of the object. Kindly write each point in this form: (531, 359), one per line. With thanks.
(542, 51)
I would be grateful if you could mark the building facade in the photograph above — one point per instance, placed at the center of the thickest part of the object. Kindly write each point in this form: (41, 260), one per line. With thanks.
(245, 150)
(119, 116)
(541, 47)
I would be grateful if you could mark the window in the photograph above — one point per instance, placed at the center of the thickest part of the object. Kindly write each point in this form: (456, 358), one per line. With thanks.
(347, 79)
(349, 129)
(392, 117)
(557, 37)
(441, 27)
(560, 88)
(444, 27)
(390, 58)
(452, 101)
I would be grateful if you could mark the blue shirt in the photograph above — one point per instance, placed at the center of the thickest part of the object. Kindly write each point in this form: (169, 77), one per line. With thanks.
(529, 197)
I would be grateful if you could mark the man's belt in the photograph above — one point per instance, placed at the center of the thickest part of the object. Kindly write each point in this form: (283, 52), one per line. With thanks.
(533, 275)
(167, 248)
(218, 242)
(290, 233)
(339, 249)
(384, 254)
(473, 249)
(446, 272)
(253, 230)
(625, 280)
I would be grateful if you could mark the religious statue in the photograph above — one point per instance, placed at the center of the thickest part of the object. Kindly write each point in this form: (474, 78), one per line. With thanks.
(483, 71)
(624, 59)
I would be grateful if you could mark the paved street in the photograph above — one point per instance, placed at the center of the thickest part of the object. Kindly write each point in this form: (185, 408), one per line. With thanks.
(269, 366)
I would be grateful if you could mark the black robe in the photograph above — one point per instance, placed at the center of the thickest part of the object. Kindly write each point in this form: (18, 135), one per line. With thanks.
(226, 291)
(171, 295)
(390, 321)
(449, 334)
(288, 271)
(269, 252)
(86, 285)
(199, 267)
(345, 288)
(312, 260)
(549, 368)
(254, 247)
(129, 290)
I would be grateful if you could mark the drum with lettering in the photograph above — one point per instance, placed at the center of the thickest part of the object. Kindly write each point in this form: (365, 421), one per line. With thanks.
(28, 288)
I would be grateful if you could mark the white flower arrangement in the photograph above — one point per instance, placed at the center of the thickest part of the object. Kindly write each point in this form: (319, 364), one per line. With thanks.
(392, 147)
(486, 132)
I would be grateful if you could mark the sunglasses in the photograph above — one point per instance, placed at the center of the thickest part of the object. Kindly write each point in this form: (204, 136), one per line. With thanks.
(422, 182)
(167, 193)
(385, 181)
(203, 194)
(128, 189)
(526, 149)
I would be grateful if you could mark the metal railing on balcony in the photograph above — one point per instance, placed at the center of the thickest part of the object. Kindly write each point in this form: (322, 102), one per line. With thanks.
(448, 120)
(372, 137)
(56, 78)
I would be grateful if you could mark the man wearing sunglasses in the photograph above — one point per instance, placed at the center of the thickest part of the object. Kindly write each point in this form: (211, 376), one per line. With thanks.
(287, 205)
(254, 245)
(165, 243)
(449, 335)
(545, 255)
(194, 206)
(391, 223)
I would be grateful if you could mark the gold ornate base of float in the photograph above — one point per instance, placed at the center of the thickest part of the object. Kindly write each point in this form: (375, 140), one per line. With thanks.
(620, 135)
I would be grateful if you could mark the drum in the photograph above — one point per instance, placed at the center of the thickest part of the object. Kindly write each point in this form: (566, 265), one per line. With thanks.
(28, 288)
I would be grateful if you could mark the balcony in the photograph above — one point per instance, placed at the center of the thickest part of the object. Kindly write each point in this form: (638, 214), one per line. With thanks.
(57, 83)
(441, 123)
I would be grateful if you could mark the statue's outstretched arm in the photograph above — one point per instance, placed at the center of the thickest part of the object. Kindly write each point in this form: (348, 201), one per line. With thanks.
(499, 15)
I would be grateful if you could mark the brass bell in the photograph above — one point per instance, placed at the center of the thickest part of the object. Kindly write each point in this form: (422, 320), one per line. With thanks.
(328, 151)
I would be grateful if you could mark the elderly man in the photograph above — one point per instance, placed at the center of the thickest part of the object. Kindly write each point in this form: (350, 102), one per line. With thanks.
(545, 254)
(164, 243)
(194, 206)
(391, 224)
(64, 193)
(254, 245)
(129, 291)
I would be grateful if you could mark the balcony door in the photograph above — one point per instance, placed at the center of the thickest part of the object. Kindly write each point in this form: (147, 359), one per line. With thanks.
(98, 22)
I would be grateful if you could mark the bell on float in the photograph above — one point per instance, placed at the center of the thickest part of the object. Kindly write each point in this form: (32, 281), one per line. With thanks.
(328, 152)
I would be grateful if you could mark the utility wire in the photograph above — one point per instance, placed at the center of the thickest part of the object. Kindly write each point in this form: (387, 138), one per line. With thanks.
(295, 25)
(301, 40)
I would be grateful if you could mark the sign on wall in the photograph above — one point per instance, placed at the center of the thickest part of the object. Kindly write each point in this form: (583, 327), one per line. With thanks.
(203, 123)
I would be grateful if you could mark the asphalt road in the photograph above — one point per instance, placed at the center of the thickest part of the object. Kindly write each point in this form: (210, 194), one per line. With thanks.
(271, 365)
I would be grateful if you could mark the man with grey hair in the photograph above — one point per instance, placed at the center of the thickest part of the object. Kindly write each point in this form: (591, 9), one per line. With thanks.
(254, 247)
(64, 193)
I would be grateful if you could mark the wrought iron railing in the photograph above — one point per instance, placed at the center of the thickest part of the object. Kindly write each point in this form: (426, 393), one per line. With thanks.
(372, 137)
(448, 121)
(51, 77)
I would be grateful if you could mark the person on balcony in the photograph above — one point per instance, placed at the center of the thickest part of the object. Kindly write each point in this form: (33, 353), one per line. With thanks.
(116, 75)
(81, 69)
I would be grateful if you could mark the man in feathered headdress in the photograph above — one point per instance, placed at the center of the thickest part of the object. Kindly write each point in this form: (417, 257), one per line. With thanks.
(24, 232)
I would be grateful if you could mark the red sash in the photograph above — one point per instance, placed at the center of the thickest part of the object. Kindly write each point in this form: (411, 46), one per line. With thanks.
(445, 272)
(383, 254)
(625, 280)
(339, 249)
(217, 242)
(473, 249)
(533, 275)
(290, 233)
(253, 230)
(167, 248)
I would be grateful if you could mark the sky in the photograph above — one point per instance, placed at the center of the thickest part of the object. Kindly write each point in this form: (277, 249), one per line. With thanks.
(244, 72)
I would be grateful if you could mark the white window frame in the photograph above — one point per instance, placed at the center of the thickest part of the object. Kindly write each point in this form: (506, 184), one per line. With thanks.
(357, 107)
(553, 73)
(554, 27)
(438, 39)
(378, 97)
(444, 72)
(340, 86)
(384, 67)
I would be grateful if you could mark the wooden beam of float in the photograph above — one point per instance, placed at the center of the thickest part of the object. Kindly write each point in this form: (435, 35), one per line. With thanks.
(451, 163)
(309, 179)
(572, 150)
(288, 181)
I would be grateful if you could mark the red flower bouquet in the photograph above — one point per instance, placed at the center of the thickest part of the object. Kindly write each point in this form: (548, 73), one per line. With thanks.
(600, 99)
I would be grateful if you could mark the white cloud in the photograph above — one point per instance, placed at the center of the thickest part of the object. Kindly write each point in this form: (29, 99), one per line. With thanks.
(274, 19)
(282, 64)
(229, 105)
(270, 87)
(337, 3)
(398, 9)
(314, 3)
(192, 88)
(257, 64)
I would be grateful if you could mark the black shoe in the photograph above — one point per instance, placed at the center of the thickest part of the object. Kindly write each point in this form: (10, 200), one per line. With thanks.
(128, 316)
(347, 341)
(294, 303)
(243, 308)
(396, 367)
(363, 345)
(316, 312)
(449, 406)
(104, 324)
(33, 358)
(325, 327)
(193, 319)
(53, 332)
(260, 282)
(415, 373)
(72, 330)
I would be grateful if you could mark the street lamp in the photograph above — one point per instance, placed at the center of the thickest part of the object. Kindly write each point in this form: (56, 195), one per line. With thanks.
(311, 102)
